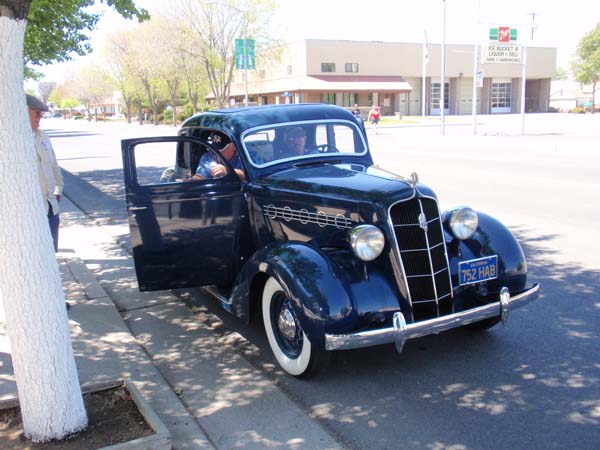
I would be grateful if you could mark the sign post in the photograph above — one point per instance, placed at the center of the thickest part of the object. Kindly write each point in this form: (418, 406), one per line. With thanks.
(477, 74)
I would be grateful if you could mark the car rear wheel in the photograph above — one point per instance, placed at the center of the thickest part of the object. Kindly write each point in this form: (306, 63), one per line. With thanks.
(289, 343)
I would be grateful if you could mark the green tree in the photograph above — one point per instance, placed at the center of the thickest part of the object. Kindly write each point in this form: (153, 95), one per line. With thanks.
(57, 29)
(63, 97)
(587, 65)
(92, 86)
(119, 61)
(561, 74)
(146, 64)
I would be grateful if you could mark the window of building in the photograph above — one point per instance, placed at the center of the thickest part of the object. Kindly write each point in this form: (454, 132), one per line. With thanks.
(501, 96)
(436, 97)
(261, 74)
(352, 67)
(289, 70)
(327, 67)
(349, 98)
(328, 97)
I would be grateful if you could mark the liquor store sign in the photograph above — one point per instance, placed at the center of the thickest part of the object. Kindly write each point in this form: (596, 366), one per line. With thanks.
(501, 48)
(502, 53)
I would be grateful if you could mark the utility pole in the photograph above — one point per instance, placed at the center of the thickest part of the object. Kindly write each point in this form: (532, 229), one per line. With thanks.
(475, 69)
(443, 84)
(424, 85)
(524, 75)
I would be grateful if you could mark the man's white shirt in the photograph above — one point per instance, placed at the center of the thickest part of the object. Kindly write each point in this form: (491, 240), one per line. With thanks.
(51, 181)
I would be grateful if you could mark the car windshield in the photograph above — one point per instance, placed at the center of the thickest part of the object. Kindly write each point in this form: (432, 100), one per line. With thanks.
(302, 140)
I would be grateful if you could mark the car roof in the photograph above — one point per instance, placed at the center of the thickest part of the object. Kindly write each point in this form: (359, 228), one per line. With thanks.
(236, 120)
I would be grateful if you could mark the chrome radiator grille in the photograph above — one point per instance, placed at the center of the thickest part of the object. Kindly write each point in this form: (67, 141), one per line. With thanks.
(420, 239)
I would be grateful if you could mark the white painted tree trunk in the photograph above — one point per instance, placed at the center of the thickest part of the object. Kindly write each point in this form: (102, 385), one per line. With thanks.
(30, 285)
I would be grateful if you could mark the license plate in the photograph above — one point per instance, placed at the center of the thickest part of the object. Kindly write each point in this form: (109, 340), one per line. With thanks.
(477, 270)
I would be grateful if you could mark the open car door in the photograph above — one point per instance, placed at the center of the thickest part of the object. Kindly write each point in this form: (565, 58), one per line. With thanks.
(184, 232)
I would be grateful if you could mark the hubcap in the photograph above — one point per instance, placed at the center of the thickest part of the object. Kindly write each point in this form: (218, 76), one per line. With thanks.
(287, 324)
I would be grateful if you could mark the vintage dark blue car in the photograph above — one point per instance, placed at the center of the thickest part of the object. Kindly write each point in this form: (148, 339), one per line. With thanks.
(301, 228)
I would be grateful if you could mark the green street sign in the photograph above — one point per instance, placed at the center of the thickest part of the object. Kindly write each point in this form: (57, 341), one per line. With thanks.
(244, 54)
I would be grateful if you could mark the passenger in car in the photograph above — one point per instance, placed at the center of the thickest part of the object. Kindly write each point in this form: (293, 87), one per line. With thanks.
(211, 167)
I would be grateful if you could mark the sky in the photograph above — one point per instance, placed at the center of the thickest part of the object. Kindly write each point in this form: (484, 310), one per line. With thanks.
(556, 24)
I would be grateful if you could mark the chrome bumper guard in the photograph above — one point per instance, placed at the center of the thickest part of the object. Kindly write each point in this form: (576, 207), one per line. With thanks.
(400, 332)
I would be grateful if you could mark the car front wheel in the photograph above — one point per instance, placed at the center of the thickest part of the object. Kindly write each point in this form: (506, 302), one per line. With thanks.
(289, 343)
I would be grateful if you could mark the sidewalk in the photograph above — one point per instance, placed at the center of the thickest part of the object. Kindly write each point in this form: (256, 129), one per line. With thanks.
(206, 395)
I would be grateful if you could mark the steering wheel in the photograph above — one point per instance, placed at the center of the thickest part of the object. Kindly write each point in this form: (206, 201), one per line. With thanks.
(326, 148)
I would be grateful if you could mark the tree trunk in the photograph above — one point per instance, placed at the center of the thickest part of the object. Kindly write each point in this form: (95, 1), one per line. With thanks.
(173, 99)
(594, 96)
(30, 284)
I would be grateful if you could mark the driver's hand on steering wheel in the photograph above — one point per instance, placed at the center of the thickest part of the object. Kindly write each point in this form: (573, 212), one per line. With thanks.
(218, 170)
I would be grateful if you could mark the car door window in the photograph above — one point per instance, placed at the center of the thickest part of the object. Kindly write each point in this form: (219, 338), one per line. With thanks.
(155, 163)
(171, 162)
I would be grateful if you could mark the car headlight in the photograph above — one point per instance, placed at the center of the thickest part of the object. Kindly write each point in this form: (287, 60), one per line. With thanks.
(367, 241)
(463, 222)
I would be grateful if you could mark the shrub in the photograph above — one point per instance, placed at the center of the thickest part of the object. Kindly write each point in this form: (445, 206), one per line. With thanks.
(578, 110)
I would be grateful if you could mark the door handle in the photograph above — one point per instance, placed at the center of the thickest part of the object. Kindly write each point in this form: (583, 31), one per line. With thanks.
(137, 208)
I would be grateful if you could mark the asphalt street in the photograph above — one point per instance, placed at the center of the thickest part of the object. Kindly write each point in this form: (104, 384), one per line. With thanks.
(533, 384)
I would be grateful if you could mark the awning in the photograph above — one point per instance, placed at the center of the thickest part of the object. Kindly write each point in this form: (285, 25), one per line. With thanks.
(325, 83)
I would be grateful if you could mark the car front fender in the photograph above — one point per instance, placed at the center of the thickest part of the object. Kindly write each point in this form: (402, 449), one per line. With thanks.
(317, 286)
(491, 238)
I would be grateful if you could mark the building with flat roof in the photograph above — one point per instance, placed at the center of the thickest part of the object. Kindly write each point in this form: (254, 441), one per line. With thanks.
(390, 74)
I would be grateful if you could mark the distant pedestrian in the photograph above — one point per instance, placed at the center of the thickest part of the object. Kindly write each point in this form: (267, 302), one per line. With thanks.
(374, 117)
(356, 112)
(51, 181)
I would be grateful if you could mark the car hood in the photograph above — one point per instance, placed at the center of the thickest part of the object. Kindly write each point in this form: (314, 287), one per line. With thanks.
(354, 182)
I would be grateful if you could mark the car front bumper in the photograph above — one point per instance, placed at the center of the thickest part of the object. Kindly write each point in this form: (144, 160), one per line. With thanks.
(400, 332)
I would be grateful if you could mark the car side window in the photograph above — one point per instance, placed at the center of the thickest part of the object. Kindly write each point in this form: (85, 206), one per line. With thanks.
(170, 162)
(155, 163)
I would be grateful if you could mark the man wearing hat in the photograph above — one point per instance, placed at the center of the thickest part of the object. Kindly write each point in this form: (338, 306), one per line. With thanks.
(51, 181)
(209, 165)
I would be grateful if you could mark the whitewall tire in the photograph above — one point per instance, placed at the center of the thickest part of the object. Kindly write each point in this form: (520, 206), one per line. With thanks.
(288, 341)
